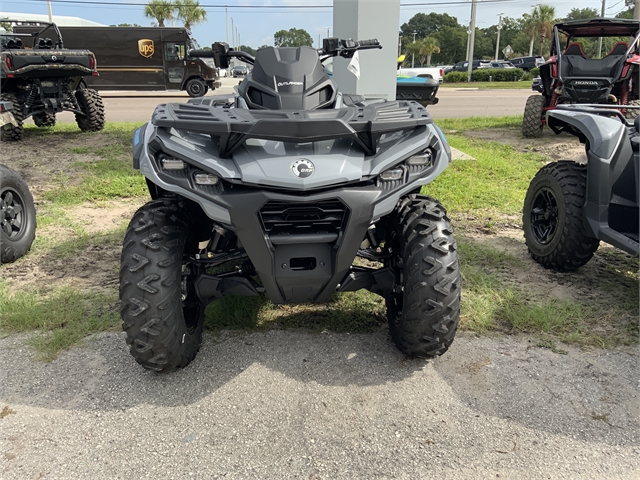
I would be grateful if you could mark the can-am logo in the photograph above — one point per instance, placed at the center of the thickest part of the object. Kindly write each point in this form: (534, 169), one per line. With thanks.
(585, 82)
(302, 168)
(288, 84)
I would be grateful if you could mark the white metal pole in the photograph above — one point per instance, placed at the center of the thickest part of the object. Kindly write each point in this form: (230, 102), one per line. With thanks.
(413, 55)
(498, 40)
(636, 11)
(232, 34)
(49, 7)
(600, 38)
(472, 39)
(226, 24)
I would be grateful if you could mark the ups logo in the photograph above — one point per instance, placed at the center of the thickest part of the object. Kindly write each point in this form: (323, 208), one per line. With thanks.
(145, 47)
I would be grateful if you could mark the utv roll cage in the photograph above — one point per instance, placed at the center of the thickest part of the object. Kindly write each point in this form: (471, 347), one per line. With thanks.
(35, 35)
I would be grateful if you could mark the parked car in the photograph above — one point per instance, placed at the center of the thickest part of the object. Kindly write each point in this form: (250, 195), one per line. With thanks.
(536, 85)
(239, 71)
(502, 64)
(527, 63)
(463, 66)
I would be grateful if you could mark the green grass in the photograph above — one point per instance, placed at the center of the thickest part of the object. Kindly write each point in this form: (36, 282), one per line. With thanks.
(496, 181)
(63, 317)
(461, 125)
(489, 85)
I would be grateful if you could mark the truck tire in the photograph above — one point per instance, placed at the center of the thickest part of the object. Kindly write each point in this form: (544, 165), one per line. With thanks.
(552, 217)
(196, 88)
(90, 103)
(17, 216)
(12, 133)
(424, 308)
(633, 112)
(161, 314)
(532, 122)
(44, 119)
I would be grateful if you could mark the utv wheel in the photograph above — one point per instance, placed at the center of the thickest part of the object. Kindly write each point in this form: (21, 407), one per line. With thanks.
(44, 119)
(10, 132)
(532, 122)
(553, 217)
(161, 314)
(196, 88)
(90, 103)
(633, 112)
(424, 309)
(17, 216)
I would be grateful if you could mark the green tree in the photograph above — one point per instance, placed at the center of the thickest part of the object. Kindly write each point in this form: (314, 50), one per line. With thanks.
(582, 14)
(161, 10)
(453, 44)
(426, 24)
(190, 12)
(424, 49)
(294, 37)
(248, 49)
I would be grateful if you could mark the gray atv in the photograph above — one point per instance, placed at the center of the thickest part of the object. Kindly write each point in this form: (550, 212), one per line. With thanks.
(278, 191)
(42, 78)
(570, 207)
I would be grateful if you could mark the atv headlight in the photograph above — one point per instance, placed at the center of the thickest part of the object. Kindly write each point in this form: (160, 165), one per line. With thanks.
(421, 159)
(202, 178)
(392, 174)
(169, 163)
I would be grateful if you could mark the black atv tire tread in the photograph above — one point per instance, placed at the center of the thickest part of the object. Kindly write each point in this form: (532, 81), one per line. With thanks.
(532, 121)
(150, 288)
(427, 323)
(574, 248)
(11, 133)
(44, 119)
(11, 250)
(91, 104)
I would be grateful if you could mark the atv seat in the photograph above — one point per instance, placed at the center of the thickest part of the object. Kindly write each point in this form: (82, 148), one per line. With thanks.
(619, 48)
(575, 64)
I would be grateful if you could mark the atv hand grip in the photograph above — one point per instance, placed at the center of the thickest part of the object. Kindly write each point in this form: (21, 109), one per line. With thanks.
(373, 43)
(201, 53)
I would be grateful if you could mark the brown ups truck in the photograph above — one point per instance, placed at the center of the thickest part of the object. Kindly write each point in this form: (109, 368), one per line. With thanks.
(143, 58)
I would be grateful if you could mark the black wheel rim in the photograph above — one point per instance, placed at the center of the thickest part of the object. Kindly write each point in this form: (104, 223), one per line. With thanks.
(544, 216)
(195, 88)
(13, 220)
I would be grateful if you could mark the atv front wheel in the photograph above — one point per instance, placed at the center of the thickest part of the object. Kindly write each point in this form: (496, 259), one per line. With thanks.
(196, 88)
(424, 308)
(532, 122)
(10, 132)
(44, 119)
(552, 217)
(92, 108)
(160, 311)
(17, 216)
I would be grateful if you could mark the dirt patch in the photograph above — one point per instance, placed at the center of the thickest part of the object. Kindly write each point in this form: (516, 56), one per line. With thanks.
(555, 147)
(40, 159)
(104, 217)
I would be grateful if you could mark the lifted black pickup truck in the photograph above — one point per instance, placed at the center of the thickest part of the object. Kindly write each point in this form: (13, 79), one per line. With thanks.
(41, 78)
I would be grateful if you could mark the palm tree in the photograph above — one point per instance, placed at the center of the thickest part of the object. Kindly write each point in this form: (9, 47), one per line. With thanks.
(161, 10)
(545, 19)
(428, 46)
(190, 12)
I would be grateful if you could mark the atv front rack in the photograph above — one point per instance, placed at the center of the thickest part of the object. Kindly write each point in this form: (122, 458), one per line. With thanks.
(233, 126)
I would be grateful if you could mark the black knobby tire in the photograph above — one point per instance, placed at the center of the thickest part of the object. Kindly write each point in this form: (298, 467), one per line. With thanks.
(424, 309)
(164, 331)
(532, 121)
(10, 132)
(552, 217)
(44, 119)
(196, 88)
(90, 103)
(17, 216)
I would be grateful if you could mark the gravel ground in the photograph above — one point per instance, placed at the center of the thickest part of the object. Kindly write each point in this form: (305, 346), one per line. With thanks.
(289, 404)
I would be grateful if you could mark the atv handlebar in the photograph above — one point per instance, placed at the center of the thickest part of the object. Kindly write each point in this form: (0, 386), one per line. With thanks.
(331, 47)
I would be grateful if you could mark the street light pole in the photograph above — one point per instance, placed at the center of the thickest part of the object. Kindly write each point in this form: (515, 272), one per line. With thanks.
(226, 25)
(600, 38)
(498, 41)
(233, 37)
(472, 39)
(50, 14)
(413, 54)
(328, 31)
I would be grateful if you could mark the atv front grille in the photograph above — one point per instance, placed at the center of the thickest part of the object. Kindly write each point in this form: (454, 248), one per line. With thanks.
(280, 218)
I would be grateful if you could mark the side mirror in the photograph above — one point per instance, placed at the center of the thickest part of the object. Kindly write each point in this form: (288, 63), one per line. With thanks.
(220, 54)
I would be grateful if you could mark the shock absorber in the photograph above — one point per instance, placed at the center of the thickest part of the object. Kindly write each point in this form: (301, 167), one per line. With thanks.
(31, 96)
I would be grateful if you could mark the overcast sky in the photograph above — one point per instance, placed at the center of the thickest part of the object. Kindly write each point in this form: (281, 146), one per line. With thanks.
(257, 25)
